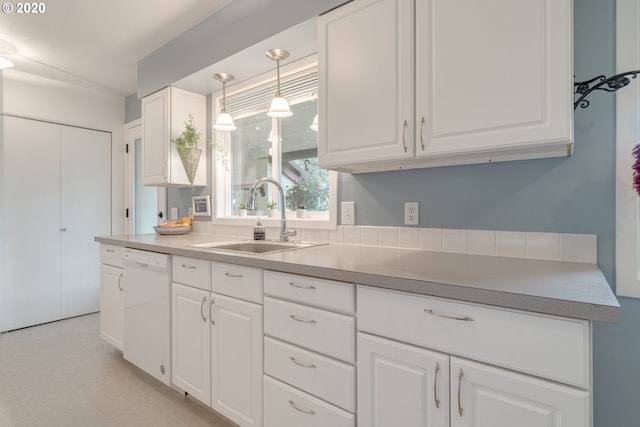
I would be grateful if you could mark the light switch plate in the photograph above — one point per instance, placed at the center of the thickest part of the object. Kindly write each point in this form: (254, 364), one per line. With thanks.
(348, 213)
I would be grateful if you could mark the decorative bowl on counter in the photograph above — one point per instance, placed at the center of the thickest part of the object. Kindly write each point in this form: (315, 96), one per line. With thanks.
(179, 229)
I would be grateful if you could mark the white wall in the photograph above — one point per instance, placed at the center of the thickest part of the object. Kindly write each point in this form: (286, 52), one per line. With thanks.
(35, 97)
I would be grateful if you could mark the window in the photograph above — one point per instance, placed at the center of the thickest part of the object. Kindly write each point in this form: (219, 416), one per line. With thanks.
(284, 149)
(627, 136)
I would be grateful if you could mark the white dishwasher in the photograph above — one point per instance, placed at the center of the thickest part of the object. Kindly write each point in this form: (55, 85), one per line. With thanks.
(147, 308)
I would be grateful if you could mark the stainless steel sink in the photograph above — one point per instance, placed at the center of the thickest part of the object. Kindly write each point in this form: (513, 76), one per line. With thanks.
(256, 247)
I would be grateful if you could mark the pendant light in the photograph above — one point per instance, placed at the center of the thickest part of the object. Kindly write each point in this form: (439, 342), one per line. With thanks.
(279, 105)
(224, 121)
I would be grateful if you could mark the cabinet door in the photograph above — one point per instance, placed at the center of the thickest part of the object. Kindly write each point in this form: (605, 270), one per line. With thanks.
(484, 396)
(401, 385)
(236, 360)
(111, 305)
(190, 360)
(85, 176)
(494, 76)
(155, 137)
(365, 82)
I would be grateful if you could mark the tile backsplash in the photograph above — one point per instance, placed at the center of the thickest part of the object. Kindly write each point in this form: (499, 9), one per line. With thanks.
(515, 244)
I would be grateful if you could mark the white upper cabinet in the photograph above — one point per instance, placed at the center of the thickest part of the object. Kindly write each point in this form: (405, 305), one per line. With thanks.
(164, 114)
(493, 81)
(366, 78)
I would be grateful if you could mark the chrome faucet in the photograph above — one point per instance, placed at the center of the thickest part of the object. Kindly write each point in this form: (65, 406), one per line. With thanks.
(284, 233)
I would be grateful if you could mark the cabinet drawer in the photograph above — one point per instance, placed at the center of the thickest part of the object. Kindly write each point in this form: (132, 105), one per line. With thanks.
(541, 345)
(329, 333)
(286, 406)
(321, 376)
(111, 255)
(329, 294)
(192, 272)
(237, 281)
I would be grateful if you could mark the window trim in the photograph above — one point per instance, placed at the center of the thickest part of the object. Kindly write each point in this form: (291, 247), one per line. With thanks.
(627, 136)
(221, 178)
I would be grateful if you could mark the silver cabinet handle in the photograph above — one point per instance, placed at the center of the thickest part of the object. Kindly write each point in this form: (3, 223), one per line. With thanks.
(111, 251)
(63, 229)
(435, 386)
(204, 319)
(213, 322)
(189, 266)
(233, 275)
(295, 285)
(297, 319)
(304, 411)
(119, 279)
(460, 375)
(404, 131)
(448, 316)
(304, 365)
(421, 126)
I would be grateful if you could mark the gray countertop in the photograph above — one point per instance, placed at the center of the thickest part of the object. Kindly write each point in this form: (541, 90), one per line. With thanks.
(567, 289)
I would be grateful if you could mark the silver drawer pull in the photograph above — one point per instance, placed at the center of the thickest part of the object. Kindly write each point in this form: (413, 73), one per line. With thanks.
(111, 251)
(304, 365)
(448, 316)
(189, 266)
(297, 319)
(295, 285)
(304, 411)
(234, 275)
(460, 375)
(435, 386)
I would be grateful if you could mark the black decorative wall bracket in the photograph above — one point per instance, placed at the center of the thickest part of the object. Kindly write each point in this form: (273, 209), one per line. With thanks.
(607, 84)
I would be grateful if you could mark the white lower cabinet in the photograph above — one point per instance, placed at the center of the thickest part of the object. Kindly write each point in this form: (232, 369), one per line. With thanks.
(309, 352)
(401, 385)
(191, 338)
(414, 386)
(286, 406)
(111, 295)
(236, 359)
(217, 342)
(486, 396)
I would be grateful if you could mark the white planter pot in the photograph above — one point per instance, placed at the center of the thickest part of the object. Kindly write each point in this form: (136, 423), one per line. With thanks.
(301, 213)
(242, 212)
(272, 213)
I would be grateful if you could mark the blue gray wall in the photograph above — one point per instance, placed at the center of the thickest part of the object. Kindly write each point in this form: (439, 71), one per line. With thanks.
(567, 195)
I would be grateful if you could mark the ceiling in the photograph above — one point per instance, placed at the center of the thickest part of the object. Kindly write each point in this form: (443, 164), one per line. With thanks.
(96, 43)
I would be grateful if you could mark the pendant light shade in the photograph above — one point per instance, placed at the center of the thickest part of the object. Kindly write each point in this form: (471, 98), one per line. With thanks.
(279, 108)
(224, 121)
(279, 105)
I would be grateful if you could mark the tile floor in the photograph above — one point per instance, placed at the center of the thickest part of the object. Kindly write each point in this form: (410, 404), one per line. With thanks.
(63, 374)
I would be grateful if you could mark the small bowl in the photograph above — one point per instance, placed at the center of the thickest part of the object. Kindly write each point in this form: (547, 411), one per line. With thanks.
(180, 229)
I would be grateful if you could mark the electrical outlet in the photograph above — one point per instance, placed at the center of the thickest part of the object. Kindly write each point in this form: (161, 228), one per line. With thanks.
(348, 213)
(411, 213)
(174, 213)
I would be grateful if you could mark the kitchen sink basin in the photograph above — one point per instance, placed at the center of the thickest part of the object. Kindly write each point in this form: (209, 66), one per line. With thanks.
(256, 247)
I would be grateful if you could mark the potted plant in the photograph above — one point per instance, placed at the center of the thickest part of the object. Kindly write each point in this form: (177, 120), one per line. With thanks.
(301, 211)
(187, 147)
(242, 209)
(272, 209)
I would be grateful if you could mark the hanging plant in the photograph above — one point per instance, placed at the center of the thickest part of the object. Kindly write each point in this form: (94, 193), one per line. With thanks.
(187, 146)
(636, 168)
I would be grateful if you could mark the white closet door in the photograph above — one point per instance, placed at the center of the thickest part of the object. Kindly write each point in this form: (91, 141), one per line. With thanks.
(85, 159)
(30, 218)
